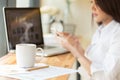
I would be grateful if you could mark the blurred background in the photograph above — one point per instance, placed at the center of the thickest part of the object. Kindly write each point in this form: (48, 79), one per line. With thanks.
(73, 15)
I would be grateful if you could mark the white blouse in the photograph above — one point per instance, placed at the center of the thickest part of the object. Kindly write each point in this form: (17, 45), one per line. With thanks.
(104, 52)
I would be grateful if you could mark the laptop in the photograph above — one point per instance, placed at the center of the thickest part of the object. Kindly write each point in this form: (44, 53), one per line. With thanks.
(23, 25)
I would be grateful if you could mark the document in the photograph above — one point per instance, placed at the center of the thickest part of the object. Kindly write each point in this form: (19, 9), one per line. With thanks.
(41, 74)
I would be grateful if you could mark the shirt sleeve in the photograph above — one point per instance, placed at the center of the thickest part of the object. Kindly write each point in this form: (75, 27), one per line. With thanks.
(110, 68)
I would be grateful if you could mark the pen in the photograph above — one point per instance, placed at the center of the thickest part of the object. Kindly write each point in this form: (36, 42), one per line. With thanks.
(36, 68)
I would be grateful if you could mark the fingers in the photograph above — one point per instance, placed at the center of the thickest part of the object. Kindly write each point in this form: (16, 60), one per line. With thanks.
(59, 34)
(62, 34)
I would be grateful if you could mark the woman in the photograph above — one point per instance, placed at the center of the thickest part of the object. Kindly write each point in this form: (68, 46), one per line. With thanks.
(102, 58)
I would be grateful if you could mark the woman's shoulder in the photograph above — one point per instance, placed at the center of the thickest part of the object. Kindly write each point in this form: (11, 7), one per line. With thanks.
(116, 32)
(114, 27)
(117, 28)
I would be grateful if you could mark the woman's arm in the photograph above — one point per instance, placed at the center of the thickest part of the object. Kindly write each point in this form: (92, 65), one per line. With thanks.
(72, 43)
(85, 63)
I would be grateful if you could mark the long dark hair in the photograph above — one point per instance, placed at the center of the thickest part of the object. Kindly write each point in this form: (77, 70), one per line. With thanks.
(110, 7)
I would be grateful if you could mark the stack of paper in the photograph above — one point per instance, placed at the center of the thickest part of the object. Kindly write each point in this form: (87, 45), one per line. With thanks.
(41, 74)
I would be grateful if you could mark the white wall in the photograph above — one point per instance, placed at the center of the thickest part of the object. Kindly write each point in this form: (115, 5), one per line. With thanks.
(3, 45)
(81, 13)
(22, 3)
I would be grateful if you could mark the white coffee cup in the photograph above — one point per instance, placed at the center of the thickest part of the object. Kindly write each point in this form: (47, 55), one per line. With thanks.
(25, 54)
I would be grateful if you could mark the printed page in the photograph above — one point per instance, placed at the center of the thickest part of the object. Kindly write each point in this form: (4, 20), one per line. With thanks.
(44, 73)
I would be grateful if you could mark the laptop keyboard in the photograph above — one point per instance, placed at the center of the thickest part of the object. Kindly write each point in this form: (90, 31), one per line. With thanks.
(46, 46)
(53, 51)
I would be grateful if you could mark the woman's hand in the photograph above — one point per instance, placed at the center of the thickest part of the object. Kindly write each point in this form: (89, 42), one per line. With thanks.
(71, 43)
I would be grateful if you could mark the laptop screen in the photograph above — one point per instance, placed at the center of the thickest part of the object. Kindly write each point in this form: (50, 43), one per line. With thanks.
(23, 25)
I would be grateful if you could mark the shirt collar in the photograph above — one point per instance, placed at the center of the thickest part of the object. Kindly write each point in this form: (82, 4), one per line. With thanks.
(109, 27)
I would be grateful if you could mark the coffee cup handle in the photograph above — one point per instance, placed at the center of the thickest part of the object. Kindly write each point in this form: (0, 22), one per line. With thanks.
(40, 50)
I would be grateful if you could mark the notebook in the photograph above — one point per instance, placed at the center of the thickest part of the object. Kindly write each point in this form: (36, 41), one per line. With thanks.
(23, 25)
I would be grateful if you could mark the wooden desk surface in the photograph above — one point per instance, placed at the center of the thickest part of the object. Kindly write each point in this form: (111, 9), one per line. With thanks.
(64, 60)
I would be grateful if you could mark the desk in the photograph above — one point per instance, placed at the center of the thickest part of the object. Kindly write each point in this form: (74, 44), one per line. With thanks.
(68, 62)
